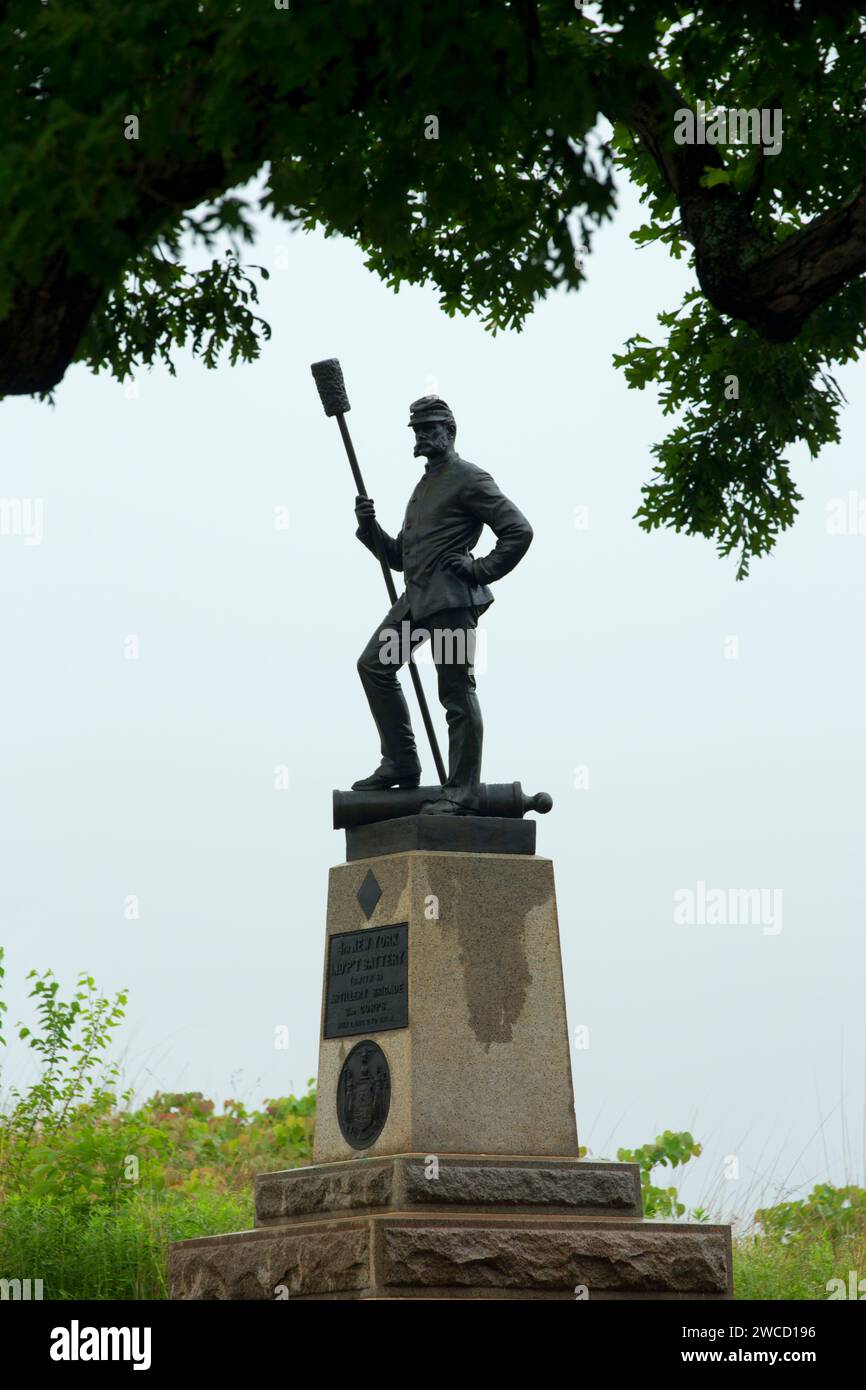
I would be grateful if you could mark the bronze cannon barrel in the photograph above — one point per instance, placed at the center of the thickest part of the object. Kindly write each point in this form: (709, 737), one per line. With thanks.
(496, 798)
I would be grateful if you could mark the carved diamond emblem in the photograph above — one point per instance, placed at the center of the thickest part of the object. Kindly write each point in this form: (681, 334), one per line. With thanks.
(369, 894)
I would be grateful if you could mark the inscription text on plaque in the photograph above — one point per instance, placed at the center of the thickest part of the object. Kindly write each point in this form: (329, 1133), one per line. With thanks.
(368, 981)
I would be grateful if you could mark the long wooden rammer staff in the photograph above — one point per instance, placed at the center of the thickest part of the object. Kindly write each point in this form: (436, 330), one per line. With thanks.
(328, 376)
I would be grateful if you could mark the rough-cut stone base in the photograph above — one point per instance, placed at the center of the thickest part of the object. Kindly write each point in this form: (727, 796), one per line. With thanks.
(451, 1183)
(393, 1257)
(485, 1227)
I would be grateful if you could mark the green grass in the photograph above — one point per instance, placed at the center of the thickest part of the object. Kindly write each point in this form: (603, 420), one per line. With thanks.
(110, 1252)
(765, 1269)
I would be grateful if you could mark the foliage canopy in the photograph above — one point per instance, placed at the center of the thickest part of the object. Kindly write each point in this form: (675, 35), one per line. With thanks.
(332, 104)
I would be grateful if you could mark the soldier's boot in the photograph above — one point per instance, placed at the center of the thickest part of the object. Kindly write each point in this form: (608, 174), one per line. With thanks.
(387, 775)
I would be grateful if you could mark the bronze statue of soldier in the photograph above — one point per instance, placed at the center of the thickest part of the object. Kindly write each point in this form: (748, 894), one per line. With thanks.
(446, 591)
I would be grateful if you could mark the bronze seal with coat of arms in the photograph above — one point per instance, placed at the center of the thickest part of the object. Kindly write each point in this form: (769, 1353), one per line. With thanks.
(363, 1095)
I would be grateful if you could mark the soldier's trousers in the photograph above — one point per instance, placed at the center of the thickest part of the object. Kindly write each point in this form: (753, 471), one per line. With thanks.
(451, 633)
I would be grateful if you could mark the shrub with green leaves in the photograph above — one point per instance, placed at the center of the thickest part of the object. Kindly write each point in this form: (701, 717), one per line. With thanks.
(72, 1137)
(93, 1187)
(837, 1214)
(670, 1150)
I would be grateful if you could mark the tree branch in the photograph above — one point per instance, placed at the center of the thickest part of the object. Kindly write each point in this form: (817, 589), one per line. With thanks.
(772, 285)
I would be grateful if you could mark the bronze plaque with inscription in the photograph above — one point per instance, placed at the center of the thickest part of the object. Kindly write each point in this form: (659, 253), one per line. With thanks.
(368, 981)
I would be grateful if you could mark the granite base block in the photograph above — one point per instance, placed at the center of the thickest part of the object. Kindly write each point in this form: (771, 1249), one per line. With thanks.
(457, 1257)
(488, 1227)
(450, 1183)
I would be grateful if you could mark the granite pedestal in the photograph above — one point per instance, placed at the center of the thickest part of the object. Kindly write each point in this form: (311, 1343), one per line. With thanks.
(481, 1065)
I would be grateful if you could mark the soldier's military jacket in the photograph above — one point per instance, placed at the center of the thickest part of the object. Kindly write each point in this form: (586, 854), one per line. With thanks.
(451, 503)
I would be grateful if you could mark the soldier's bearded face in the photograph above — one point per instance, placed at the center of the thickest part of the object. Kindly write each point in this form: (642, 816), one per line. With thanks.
(431, 439)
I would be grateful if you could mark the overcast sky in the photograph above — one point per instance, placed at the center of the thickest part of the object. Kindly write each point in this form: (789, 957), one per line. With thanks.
(692, 730)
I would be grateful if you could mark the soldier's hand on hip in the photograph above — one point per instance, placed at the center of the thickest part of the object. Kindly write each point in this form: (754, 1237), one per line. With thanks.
(458, 564)
(365, 512)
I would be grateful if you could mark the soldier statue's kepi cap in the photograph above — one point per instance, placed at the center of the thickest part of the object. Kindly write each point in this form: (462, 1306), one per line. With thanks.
(428, 410)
